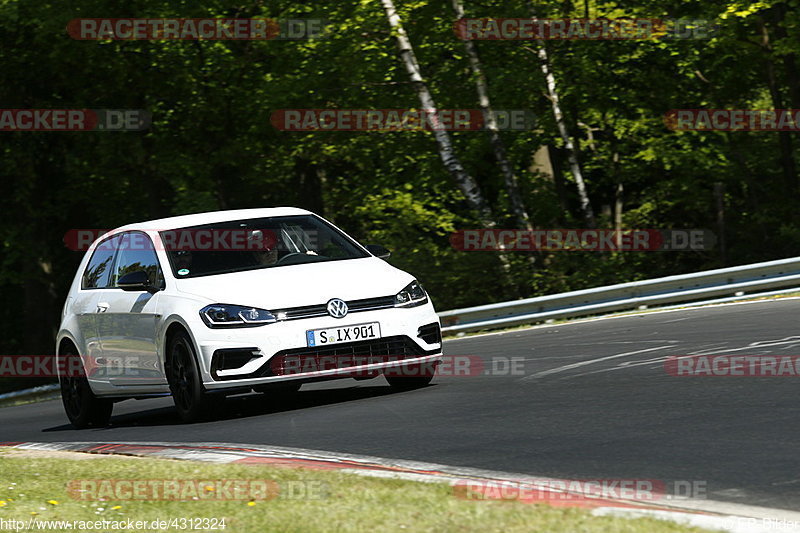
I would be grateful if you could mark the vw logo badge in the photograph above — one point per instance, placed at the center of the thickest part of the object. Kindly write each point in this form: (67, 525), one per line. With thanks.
(337, 308)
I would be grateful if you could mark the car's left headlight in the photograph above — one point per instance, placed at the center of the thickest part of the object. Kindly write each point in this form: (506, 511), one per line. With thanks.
(411, 296)
(235, 316)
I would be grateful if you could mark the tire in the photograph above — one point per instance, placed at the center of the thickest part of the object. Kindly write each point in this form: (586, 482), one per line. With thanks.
(83, 408)
(416, 376)
(183, 375)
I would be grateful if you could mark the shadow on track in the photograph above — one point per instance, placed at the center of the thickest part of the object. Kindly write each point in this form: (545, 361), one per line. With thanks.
(245, 406)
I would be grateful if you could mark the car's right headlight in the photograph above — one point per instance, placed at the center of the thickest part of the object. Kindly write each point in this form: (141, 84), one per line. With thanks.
(411, 296)
(235, 316)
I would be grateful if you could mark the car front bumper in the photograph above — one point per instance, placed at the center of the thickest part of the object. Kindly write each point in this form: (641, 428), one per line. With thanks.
(270, 342)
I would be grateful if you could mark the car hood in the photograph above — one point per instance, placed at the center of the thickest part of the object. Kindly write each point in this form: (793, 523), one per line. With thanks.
(300, 285)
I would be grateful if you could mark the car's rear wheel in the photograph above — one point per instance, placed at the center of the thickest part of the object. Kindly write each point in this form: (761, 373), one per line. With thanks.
(83, 408)
(191, 400)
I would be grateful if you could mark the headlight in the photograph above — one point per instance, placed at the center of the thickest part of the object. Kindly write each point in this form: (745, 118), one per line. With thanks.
(412, 296)
(235, 316)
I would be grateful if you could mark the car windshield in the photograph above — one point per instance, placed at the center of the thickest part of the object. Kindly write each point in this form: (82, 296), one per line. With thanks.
(251, 244)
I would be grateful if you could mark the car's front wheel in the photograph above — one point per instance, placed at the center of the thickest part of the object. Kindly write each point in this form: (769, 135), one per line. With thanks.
(83, 408)
(191, 400)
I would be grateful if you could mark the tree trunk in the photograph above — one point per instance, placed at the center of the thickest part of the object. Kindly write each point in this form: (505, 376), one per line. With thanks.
(466, 183)
(552, 92)
(618, 205)
(618, 191)
(789, 58)
(310, 186)
(719, 197)
(556, 159)
(157, 189)
(39, 306)
(490, 119)
(784, 137)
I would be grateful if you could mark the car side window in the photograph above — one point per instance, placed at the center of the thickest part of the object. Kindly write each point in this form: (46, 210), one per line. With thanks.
(136, 252)
(98, 272)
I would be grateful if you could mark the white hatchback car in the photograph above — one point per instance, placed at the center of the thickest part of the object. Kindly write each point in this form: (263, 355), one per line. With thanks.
(200, 306)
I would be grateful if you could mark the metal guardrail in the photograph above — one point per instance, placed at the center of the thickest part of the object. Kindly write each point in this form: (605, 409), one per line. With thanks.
(708, 284)
(40, 393)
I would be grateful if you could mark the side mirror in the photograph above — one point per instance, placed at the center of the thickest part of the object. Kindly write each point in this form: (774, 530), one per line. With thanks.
(378, 251)
(134, 281)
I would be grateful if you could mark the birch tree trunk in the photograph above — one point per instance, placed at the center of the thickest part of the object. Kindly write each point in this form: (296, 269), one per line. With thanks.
(572, 157)
(466, 183)
(490, 119)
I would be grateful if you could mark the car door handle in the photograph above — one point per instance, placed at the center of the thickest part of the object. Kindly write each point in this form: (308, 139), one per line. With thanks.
(102, 307)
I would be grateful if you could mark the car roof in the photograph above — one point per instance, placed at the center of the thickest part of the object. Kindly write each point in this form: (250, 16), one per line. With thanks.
(211, 217)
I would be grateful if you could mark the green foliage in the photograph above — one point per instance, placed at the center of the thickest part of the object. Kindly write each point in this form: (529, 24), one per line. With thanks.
(211, 145)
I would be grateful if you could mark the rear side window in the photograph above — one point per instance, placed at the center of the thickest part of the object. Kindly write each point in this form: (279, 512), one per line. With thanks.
(136, 252)
(98, 272)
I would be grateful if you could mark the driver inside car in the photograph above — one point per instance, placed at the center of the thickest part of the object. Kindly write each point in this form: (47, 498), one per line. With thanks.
(265, 252)
(267, 257)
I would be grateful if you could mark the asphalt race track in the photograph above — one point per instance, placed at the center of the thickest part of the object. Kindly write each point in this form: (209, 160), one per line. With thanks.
(593, 401)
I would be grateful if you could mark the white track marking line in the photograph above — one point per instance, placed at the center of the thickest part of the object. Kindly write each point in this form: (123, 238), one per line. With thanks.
(623, 366)
(786, 341)
(614, 342)
(713, 349)
(752, 346)
(591, 362)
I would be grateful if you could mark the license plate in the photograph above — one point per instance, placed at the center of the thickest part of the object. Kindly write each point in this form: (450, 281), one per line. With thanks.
(359, 332)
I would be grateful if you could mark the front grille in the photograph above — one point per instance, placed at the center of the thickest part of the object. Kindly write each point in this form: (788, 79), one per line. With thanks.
(386, 349)
(354, 306)
(368, 304)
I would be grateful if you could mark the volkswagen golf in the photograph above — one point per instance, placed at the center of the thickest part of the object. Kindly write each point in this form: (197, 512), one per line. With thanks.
(206, 305)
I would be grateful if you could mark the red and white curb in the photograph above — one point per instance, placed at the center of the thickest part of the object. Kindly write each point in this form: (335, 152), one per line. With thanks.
(710, 514)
